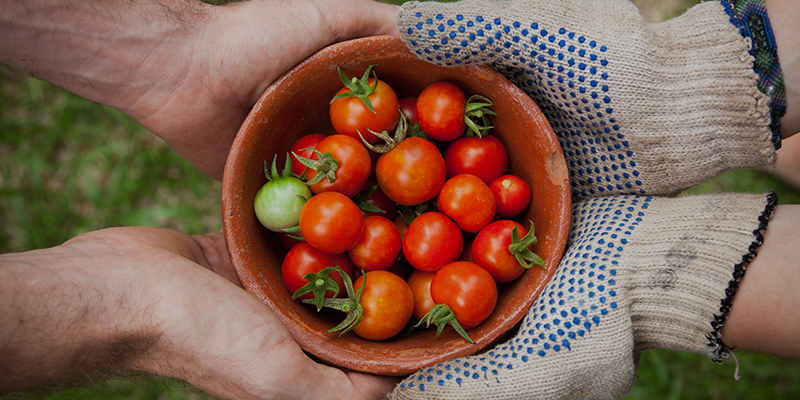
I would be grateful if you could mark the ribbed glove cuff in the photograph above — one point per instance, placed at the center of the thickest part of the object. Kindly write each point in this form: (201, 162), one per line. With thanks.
(685, 267)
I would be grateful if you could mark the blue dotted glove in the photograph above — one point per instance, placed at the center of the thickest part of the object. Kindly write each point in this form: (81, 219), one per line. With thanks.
(639, 273)
(638, 108)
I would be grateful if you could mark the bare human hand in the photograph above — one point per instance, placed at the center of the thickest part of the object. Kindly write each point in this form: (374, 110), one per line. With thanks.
(188, 71)
(154, 300)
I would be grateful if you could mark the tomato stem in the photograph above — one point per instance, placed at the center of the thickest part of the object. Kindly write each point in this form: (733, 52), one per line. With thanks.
(351, 305)
(358, 88)
(389, 142)
(476, 115)
(319, 283)
(325, 166)
(272, 172)
(521, 248)
(440, 315)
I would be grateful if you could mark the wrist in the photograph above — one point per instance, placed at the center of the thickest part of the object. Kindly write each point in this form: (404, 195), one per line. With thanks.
(66, 315)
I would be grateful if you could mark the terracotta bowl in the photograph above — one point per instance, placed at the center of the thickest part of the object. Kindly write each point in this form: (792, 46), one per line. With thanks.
(296, 105)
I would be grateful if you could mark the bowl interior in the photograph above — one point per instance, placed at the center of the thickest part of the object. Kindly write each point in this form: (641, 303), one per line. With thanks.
(297, 105)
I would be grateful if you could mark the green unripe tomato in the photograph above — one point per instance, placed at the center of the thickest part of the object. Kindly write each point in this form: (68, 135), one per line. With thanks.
(279, 201)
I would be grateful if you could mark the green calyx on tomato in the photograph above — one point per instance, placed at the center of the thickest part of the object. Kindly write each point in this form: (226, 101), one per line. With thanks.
(414, 130)
(389, 142)
(520, 248)
(361, 200)
(476, 115)
(409, 213)
(319, 283)
(325, 166)
(350, 305)
(358, 88)
(278, 203)
(440, 315)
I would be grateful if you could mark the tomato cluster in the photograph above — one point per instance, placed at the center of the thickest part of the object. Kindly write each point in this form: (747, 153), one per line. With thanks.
(409, 197)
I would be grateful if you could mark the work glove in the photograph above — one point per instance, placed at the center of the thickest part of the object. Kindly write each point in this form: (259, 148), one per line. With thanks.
(638, 108)
(640, 272)
(642, 110)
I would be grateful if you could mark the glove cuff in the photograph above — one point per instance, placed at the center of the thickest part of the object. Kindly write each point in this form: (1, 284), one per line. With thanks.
(686, 268)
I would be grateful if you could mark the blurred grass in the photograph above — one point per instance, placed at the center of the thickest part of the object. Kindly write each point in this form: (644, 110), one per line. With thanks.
(68, 166)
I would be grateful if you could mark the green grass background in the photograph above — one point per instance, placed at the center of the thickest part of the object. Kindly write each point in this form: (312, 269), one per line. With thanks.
(68, 166)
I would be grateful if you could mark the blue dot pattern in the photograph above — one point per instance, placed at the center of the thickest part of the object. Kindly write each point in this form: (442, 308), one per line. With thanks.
(566, 73)
(582, 293)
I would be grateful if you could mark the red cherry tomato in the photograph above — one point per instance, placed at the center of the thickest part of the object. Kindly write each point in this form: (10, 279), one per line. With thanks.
(408, 106)
(420, 283)
(303, 259)
(467, 289)
(411, 173)
(331, 222)
(400, 270)
(288, 241)
(306, 142)
(432, 241)
(378, 246)
(354, 165)
(490, 250)
(375, 197)
(388, 304)
(350, 115)
(440, 111)
(467, 200)
(484, 157)
(512, 195)
(466, 254)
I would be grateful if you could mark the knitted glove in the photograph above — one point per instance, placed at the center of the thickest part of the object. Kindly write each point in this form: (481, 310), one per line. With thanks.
(638, 108)
(639, 273)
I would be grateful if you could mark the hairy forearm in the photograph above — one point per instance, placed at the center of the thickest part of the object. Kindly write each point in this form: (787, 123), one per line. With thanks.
(59, 319)
(106, 51)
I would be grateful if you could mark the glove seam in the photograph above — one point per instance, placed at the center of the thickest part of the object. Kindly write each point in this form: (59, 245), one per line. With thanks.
(719, 351)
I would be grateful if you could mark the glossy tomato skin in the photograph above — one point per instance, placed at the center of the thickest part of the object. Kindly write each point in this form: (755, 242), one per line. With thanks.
(378, 199)
(408, 106)
(306, 142)
(468, 201)
(467, 289)
(440, 111)
(431, 241)
(350, 115)
(354, 168)
(411, 173)
(288, 241)
(490, 250)
(388, 304)
(485, 157)
(420, 284)
(303, 259)
(278, 203)
(512, 195)
(379, 245)
(331, 222)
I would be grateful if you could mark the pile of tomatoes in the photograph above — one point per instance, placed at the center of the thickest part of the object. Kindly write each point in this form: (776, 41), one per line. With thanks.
(428, 233)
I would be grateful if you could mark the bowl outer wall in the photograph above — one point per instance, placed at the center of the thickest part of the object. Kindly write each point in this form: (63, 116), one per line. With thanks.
(297, 105)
